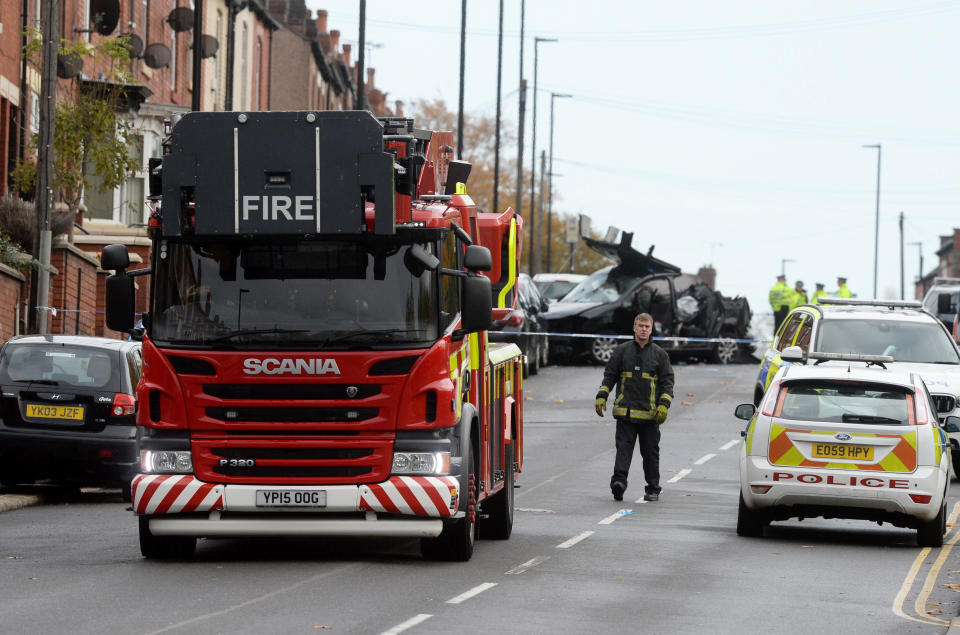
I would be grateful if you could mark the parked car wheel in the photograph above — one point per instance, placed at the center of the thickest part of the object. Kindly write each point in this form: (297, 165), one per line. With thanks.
(602, 348)
(726, 353)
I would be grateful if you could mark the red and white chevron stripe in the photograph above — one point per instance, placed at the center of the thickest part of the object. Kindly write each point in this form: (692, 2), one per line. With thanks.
(174, 493)
(416, 495)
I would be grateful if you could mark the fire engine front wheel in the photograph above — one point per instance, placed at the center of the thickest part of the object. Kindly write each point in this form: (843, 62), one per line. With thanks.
(155, 547)
(456, 540)
(602, 348)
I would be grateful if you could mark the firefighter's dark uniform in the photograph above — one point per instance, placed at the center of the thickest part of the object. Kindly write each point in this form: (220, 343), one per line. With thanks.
(644, 380)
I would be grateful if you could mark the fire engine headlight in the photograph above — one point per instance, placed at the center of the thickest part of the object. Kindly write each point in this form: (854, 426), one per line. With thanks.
(166, 462)
(421, 463)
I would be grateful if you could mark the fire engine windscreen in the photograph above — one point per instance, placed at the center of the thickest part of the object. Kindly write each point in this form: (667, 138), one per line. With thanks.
(294, 293)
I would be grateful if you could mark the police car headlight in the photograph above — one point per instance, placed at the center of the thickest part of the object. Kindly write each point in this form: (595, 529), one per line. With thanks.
(421, 463)
(166, 462)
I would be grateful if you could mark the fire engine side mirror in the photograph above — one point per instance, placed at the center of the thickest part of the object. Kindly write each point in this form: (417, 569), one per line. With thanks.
(477, 258)
(119, 301)
(477, 307)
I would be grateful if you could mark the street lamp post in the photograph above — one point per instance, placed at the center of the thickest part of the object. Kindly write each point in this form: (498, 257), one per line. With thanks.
(876, 226)
(553, 96)
(533, 158)
(783, 265)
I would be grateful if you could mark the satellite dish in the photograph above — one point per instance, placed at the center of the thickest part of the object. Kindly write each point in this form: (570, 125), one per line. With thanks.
(69, 65)
(134, 44)
(208, 46)
(181, 19)
(104, 14)
(156, 56)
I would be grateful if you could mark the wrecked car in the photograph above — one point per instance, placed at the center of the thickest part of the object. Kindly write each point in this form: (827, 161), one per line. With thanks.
(682, 306)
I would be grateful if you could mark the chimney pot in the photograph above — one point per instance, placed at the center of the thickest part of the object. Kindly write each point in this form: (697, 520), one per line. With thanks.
(322, 20)
(346, 55)
(370, 84)
(335, 41)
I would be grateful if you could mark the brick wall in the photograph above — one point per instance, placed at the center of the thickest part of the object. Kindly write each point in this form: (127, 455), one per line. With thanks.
(74, 291)
(12, 290)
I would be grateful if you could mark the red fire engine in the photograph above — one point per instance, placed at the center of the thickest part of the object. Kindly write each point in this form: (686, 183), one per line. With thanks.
(315, 353)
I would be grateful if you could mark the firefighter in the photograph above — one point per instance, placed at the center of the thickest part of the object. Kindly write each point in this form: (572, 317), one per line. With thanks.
(644, 378)
(819, 293)
(843, 291)
(801, 294)
(781, 301)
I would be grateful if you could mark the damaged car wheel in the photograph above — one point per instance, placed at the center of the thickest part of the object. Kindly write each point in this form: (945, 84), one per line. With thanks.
(602, 348)
(726, 353)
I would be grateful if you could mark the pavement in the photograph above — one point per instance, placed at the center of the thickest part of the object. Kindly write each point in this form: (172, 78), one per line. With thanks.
(10, 502)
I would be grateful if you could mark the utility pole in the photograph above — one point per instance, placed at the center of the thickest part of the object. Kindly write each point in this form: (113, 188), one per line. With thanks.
(919, 244)
(553, 96)
(463, 57)
(901, 255)
(496, 147)
(50, 21)
(533, 157)
(876, 226)
(361, 102)
(518, 207)
(197, 91)
(543, 174)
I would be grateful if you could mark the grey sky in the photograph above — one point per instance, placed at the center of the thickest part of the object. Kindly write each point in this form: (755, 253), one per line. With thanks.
(728, 132)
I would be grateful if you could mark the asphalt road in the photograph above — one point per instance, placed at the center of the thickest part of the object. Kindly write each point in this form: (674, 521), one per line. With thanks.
(577, 562)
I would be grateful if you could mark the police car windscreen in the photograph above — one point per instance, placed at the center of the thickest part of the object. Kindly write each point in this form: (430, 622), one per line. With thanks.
(845, 402)
(293, 293)
(906, 341)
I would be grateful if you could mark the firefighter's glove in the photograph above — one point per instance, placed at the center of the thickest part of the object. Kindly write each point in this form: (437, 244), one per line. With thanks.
(661, 414)
(601, 405)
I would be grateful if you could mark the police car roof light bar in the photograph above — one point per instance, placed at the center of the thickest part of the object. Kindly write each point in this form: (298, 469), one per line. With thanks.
(901, 304)
(880, 360)
(946, 280)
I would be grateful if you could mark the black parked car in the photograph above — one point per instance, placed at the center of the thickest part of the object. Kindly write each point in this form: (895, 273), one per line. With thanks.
(520, 325)
(682, 306)
(68, 410)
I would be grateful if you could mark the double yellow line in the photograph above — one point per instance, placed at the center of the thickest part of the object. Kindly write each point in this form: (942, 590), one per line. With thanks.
(920, 602)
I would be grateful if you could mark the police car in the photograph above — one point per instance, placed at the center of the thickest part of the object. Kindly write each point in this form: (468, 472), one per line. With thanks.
(851, 440)
(917, 340)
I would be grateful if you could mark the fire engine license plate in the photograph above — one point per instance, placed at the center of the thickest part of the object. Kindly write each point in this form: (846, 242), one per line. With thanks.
(70, 414)
(291, 498)
(842, 451)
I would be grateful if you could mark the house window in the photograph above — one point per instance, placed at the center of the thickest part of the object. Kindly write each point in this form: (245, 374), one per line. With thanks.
(34, 113)
(132, 192)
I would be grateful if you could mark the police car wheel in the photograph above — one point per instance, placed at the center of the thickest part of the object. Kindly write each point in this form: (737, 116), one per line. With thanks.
(601, 349)
(931, 534)
(749, 522)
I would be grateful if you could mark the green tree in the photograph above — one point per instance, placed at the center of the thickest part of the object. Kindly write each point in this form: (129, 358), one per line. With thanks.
(93, 133)
(479, 139)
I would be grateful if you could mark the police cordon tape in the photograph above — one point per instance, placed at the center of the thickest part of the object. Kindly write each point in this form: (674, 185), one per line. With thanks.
(657, 338)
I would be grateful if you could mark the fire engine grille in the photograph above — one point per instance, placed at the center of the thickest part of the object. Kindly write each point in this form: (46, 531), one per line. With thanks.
(309, 459)
(291, 391)
(291, 415)
(945, 403)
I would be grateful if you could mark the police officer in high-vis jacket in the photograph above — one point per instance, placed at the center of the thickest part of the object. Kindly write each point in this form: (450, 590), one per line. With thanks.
(644, 378)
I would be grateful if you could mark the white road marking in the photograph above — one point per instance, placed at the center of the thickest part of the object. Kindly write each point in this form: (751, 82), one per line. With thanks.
(613, 517)
(466, 595)
(527, 490)
(640, 501)
(526, 566)
(566, 544)
(680, 475)
(538, 510)
(729, 444)
(413, 621)
(703, 459)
